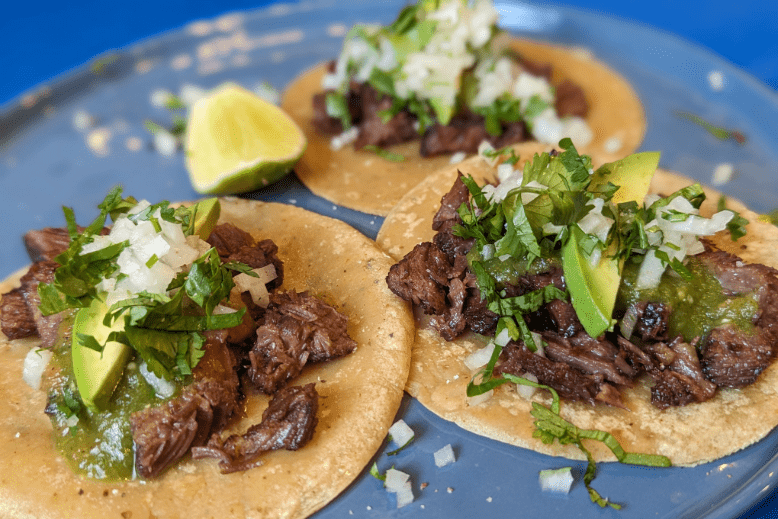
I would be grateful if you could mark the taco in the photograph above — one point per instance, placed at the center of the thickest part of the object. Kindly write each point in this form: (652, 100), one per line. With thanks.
(330, 265)
(692, 388)
(400, 100)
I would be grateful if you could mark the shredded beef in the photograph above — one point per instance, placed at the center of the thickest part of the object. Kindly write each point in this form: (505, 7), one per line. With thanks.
(373, 129)
(47, 326)
(234, 244)
(564, 317)
(464, 132)
(448, 215)
(570, 100)
(651, 320)
(288, 423)
(675, 370)
(164, 433)
(48, 243)
(298, 328)
(734, 358)
(570, 383)
(16, 318)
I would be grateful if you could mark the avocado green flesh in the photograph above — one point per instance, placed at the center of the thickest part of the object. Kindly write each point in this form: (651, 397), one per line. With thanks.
(100, 444)
(632, 174)
(96, 372)
(592, 288)
(698, 305)
(206, 215)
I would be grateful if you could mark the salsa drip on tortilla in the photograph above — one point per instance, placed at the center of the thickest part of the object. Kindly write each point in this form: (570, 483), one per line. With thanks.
(443, 72)
(535, 262)
(158, 328)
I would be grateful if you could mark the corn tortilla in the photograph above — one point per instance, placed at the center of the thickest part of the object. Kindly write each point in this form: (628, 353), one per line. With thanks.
(360, 395)
(363, 181)
(688, 435)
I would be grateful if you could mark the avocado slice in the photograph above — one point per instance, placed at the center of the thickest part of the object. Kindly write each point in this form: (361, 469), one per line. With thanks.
(632, 174)
(97, 373)
(593, 289)
(206, 214)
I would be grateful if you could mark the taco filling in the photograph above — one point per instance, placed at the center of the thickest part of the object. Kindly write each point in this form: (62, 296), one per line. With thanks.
(584, 288)
(443, 73)
(157, 330)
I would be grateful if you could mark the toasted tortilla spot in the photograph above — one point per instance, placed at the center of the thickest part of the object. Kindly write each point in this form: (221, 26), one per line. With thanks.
(360, 397)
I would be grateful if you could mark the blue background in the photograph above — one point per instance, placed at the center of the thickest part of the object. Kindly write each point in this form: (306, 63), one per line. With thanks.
(41, 39)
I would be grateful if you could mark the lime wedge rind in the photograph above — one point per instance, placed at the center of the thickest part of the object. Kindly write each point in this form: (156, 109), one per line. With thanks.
(238, 142)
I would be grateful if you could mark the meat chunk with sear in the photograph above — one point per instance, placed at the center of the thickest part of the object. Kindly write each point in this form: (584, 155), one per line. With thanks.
(21, 316)
(164, 433)
(287, 423)
(298, 328)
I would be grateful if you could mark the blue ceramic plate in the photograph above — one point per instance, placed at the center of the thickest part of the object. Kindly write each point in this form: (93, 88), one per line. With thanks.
(46, 162)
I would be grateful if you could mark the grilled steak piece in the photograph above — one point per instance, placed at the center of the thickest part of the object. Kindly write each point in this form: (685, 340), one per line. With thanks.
(734, 358)
(373, 130)
(421, 277)
(298, 328)
(46, 244)
(288, 423)
(675, 369)
(16, 317)
(463, 133)
(570, 100)
(570, 383)
(651, 320)
(234, 244)
(164, 433)
(47, 326)
(448, 216)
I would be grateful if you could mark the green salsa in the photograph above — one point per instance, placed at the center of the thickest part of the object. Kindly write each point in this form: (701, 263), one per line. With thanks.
(98, 445)
(698, 304)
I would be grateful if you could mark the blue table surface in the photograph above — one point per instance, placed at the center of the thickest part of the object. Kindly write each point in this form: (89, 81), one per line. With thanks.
(43, 39)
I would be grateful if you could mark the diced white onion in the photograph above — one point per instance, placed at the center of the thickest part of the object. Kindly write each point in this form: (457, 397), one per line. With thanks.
(539, 343)
(457, 157)
(34, 365)
(165, 143)
(479, 399)
(556, 480)
(526, 392)
(502, 338)
(401, 433)
(395, 479)
(347, 137)
(487, 252)
(481, 356)
(162, 388)
(485, 151)
(444, 456)
(722, 174)
(255, 286)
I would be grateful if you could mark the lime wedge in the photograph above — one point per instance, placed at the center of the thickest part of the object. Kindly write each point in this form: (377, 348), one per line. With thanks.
(237, 142)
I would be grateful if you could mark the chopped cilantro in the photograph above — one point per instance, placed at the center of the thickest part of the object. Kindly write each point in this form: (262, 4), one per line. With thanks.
(717, 131)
